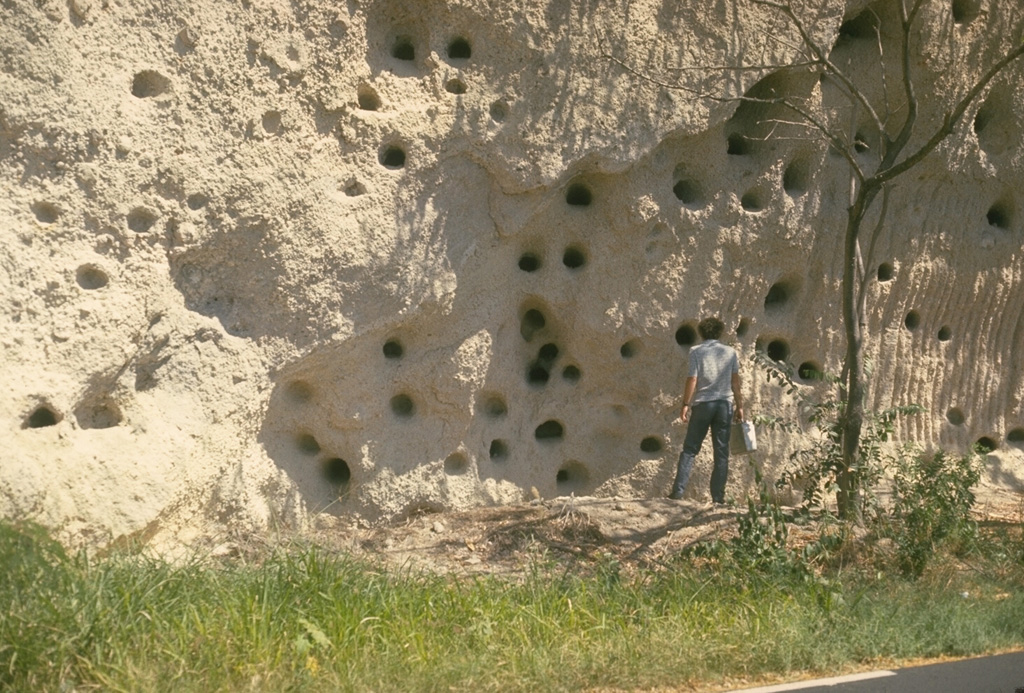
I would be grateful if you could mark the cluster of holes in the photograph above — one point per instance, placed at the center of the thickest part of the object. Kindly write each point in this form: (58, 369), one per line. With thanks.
(392, 156)
(573, 258)
(149, 84)
(539, 370)
(141, 219)
(91, 277)
(42, 417)
(45, 212)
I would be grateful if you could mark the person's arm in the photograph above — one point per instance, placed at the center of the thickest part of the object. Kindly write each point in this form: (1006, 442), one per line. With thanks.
(688, 390)
(737, 396)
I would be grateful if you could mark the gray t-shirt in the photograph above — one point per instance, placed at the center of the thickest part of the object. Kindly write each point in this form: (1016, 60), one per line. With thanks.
(713, 364)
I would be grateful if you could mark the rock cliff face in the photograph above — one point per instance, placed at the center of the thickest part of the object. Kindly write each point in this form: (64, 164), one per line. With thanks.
(265, 259)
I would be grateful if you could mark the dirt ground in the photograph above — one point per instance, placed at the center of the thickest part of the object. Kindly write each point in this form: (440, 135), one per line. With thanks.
(507, 540)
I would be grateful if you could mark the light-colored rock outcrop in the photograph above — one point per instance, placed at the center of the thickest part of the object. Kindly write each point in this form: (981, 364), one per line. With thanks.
(268, 258)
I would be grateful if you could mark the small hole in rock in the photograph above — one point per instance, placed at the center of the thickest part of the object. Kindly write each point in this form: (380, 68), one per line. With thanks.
(999, 216)
(578, 195)
(913, 320)
(299, 391)
(141, 220)
(354, 188)
(752, 201)
(367, 98)
(307, 444)
(537, 374)
(795, 179)
(886, 272)
(986, 445)
(743, 327)
(571, 373)
(393, 349)
(1016, 436)
(778, 295)
(572, 475)
(271, 122)
(45, 212)
(197, 201)
(90, 277)
(778, 350)
(99, 416)
(459, 49)
(965, 11)
(149, 84)
(573, 258)
(392, 157)
(651, 444)
(686, 335)
(498, 450)
(548, 352)
(809, 370)
(955, 416)
(402, 406)
(738, 145)
(688, 192)
(532, 321)
(455, 86)
(41, 418)
(630, 349)
(529, 262)
(499, 111)
(494, 406)
(863, 26)
(945, 333)
(403, 49)
(337, 471)
(455, 464)
(860, 143)
(549, 430)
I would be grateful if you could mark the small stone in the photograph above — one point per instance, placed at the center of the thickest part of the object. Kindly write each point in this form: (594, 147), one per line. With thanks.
(438, 528)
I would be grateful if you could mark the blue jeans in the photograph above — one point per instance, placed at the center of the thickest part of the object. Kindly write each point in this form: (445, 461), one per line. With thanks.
(716, 416)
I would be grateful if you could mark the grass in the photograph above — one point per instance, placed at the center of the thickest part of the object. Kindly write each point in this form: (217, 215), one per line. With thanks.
(305, 619)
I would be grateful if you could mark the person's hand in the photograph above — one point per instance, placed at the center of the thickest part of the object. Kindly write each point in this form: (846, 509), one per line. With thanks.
(738, 414)
(684, 415)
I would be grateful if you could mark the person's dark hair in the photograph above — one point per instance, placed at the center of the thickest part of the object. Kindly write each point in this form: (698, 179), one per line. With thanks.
(710, 328)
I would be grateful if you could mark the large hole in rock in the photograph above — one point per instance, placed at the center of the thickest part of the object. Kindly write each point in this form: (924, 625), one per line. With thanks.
(686, 335)
(102, 414)
(533, 321)
(1016, 437)
(780, 293)
(403, 49)
(460, 49)
(141, 219)
(651, 444)
(578, 195)
(986, 444)
(945, 333)
(402, 406)
(90, 277)
(42, 417)
(393, 349)
(777, 349)
(456, 464)
(737, 145)
(955, 416)
(809, 370)
(689, 192)
(863, 27)
(630, 348)
(1000, 215)
(572, 476)
(753, 201)
(796, 178)
(912, 321)
(149, 84)
(573, 258)
(367, 98)
(549, 431)
(45, 212)
(548, 353)
(307, 444)
(886, 272)
(537, 374)
(743, 327)
(498, 450)
(392, 156)
(336, 471)
(529, 262)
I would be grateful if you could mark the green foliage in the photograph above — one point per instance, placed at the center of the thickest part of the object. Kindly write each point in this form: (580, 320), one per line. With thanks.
(931, 505)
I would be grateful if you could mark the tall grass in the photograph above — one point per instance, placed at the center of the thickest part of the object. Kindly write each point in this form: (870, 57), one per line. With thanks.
(306, 619)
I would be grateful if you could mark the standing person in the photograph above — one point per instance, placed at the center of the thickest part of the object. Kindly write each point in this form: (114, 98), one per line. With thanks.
(711, 393)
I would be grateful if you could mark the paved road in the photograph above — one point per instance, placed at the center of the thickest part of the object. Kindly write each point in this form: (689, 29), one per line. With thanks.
(996, 674)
